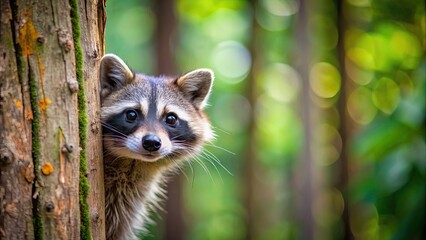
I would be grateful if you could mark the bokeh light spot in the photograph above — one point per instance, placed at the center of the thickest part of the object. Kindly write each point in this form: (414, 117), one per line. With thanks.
(360, 106)
(281, 7)
(281, 82)
(386, 95)
(358, 75)
(361, 57)
(232, 60)
(271, 22)
(360, 3)
(329, 144)
(232, 25)
(364, 221)
(405, 48)
(325, 80)
(328, 207)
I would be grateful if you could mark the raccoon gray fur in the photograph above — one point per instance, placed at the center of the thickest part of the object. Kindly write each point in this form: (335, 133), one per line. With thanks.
(151, 125)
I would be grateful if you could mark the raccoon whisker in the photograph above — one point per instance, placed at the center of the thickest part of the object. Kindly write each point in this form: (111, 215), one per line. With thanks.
(179, 167)
(113, 149)
(214, 158)
(221, 148)
(108, 126)
(198, 160)
(175, 137)
(207, 155)
(133, 142)
(112, 128)
(115, 136)
(207, 152)
(212, 163)
(206, 169)
(114, 140)
(192, 172)
(182, 170)
(220, 129)
(106, 152)
(121, 139)
(182, 145)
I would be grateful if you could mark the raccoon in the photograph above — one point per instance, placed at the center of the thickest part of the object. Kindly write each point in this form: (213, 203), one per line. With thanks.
(151, 125)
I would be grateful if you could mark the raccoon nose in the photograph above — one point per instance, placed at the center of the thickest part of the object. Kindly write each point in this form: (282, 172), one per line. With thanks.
(151, 143)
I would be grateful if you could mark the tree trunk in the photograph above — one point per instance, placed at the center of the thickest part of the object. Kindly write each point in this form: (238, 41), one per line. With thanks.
(307, 174)
(43, 118)
(92, 24)
(16, 165)
(343, 162)
(250, 163)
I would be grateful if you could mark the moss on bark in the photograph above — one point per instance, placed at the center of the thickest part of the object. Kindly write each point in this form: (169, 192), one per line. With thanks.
(85, 232)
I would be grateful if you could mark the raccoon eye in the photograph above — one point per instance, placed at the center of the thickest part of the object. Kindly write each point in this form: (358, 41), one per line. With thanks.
(171, 119)
(131, 115)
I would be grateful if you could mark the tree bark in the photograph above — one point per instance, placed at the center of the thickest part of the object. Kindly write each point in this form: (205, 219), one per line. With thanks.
(43, 119)
(92, 24)
(16, 165)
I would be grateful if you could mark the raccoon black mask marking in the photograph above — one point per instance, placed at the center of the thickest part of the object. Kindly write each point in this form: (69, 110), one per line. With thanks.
(150, 126)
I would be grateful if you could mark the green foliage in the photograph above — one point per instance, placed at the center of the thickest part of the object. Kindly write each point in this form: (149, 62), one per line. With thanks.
(390, 149)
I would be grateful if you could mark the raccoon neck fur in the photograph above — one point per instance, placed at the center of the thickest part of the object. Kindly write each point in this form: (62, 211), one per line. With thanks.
(132, 190)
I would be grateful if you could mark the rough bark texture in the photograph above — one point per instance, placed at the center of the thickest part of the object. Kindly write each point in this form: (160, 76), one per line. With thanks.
(41, 118)
(16, 165)
(44, 34)
(92, 24)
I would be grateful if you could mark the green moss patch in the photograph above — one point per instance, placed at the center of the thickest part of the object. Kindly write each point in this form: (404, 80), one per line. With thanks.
(85, 232)
(34, 98)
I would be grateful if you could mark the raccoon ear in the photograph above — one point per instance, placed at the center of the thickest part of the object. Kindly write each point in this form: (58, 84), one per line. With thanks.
(114, 74)
(196, 86)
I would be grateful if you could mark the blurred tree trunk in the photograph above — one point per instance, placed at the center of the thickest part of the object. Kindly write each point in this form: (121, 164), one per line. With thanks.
(43, 118)
(343, 162)
(249, 181)
(306, 172)
(165, 41)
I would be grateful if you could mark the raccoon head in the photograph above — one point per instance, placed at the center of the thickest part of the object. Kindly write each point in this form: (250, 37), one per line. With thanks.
(151, 118)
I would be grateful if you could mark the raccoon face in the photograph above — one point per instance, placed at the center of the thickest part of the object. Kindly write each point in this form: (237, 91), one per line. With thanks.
(151, 118)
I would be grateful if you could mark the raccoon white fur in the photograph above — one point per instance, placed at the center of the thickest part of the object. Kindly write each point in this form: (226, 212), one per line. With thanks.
(150, 126)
